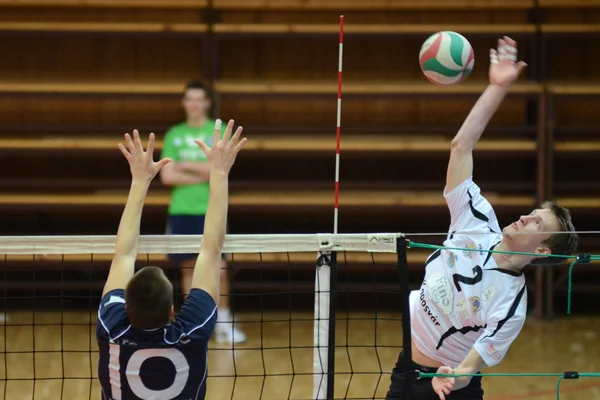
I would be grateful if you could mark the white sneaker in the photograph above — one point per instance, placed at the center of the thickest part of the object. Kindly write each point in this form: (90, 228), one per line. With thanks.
(226, 333)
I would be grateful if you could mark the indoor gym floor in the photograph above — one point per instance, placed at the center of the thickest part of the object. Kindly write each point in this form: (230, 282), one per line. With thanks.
(568, 343)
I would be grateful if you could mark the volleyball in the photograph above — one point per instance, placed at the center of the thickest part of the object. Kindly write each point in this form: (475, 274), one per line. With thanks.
(446, 58)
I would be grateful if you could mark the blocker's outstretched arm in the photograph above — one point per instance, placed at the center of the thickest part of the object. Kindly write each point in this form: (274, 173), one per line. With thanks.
(504, 70)
(143, 170)
(221, 156)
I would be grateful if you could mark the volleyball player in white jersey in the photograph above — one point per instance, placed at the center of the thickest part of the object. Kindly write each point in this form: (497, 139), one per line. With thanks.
(472, 304)
(145, 350)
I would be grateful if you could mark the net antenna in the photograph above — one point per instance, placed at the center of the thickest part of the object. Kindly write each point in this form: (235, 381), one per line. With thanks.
(326, 277)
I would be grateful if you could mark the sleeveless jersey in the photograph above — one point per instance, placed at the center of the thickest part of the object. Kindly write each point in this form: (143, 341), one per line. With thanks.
(465, 300)
(164, 363)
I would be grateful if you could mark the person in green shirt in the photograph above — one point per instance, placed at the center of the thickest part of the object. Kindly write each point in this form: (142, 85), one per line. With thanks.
(188, 176)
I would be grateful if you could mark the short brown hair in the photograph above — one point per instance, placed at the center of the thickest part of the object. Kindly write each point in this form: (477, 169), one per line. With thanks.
(149, 298)
(559, 243)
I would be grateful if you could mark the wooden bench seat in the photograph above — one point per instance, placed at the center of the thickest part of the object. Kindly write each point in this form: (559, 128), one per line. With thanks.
(370, 5)
(580, 202)
(264, 198)
(101, 27)
(284, 143)
(106, 3)
(569, 28)
(423, 87)
(96, 88)
(371, 29)
(261, 87)
(574, 88)
(568, 3)
(577, 146)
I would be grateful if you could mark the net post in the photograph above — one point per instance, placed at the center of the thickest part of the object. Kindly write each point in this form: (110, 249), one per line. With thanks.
(323, 335)
(332, 320)
(401, 246)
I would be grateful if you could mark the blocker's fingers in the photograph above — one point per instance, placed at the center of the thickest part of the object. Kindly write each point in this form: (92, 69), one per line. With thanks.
(228, 130)
(125, 152)
(137, 141)
(130, 144)
(150, 147)
(217, 135)
(240, 145)
(237, 134)
(203, 147)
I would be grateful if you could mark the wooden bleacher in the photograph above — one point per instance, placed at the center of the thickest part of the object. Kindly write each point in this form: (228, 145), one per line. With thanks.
(106, 3)
(288, 143)
(371, 5)
(101, 27)
(256, 87)
(568, 4)
(263, 199)
(370, 29)
(269, 72)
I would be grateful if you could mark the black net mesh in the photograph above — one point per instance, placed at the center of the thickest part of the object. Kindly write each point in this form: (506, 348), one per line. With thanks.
(50, 304)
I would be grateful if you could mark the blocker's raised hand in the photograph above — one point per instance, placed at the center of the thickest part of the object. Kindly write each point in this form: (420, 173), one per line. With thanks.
(224, 150)
(504, 68)
(141, 163)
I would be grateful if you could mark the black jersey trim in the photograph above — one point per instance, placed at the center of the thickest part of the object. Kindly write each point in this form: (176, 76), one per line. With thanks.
(506, 271)
(478, 214)
(511, 312)
(435, 255)
(464, 330)
(490, 253)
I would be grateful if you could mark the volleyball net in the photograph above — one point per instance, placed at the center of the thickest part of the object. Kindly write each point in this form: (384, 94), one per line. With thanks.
(325, 315)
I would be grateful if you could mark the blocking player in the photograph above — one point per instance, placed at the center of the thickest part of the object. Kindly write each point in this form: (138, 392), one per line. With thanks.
(145, 350)
(188, 176)
(472, 304)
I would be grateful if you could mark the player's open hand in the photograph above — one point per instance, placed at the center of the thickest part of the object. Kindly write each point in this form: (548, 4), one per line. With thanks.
(141, 163)
(224, 150)
(504, 68)
(442, 386)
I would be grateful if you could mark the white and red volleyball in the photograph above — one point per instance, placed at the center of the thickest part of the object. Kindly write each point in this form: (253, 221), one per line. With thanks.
(446, 58)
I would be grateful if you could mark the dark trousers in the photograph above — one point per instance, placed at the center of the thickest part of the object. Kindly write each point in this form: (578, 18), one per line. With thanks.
(421, 389)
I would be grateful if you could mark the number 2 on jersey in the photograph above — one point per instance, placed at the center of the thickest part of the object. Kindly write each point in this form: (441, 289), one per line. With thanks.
(458, 278)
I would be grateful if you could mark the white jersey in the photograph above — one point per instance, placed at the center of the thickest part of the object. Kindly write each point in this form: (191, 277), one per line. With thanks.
(465, 300)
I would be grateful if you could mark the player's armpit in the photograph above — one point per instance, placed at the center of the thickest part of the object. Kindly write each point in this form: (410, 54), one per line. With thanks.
(121, 271)
(197, 317)
(460, 166)
(112, 315)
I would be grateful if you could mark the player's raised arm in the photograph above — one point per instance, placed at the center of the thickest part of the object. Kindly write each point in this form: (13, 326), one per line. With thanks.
(504, 70)
(221, 157)
(143, 170)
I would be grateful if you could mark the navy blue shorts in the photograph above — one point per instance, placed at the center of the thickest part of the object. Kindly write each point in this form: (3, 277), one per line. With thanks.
(185, 225)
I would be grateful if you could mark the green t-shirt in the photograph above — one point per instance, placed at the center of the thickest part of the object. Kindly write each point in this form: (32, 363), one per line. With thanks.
(179, 146)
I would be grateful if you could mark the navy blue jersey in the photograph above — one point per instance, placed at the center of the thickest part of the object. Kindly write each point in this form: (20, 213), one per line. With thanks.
(159, 364)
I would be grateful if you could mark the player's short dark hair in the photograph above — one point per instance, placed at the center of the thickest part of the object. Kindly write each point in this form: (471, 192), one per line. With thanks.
(149, 298)
(197, 85)
(559, 243)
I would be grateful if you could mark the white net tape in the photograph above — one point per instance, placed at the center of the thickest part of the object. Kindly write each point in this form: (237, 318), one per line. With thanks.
(185, 244)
